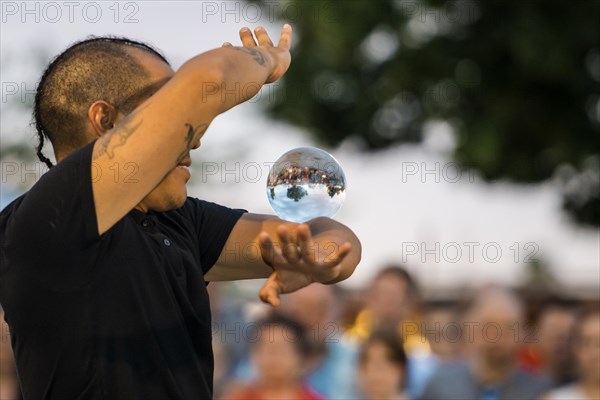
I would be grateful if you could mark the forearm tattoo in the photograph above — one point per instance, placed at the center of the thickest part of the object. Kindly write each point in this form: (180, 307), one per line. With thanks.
(255, 53)
(189, 138)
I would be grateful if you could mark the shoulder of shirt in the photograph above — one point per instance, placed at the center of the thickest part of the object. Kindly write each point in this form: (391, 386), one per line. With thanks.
(73, 158)
(76, 156)
(7, 212)
(12, 206)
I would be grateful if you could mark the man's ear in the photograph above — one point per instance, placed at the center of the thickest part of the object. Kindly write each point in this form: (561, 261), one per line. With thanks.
(102, 116)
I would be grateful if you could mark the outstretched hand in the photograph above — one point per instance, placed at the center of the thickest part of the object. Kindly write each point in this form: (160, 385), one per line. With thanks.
(297, 261)
(279, 55)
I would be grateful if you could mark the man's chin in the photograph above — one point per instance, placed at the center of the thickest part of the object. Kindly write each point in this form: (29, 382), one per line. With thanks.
(179, 201)
(171, 202)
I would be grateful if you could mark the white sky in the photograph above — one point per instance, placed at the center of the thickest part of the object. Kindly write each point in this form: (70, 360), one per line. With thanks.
(391, 210)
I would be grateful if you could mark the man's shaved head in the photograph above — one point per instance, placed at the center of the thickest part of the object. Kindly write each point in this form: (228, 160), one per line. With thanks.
(496, 299)
(497, 317)
(98, 68)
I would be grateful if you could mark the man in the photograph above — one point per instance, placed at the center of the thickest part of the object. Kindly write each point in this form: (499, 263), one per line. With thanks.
(103, 274)
(554, 329)
(586, 349)
(492, 329)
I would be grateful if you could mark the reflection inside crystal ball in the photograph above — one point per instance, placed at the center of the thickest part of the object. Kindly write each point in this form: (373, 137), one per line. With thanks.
(305, 183)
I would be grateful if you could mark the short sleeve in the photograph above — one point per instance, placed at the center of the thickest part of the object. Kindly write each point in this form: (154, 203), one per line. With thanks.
(47, 233)
(213, 224)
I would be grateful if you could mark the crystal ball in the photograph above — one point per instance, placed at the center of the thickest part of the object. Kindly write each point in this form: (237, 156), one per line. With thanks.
(305, 183)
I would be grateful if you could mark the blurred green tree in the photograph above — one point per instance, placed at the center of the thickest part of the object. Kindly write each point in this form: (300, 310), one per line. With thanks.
(296, 192)
(518, 81)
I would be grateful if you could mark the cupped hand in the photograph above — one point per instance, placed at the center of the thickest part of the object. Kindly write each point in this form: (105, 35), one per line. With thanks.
(297, 261)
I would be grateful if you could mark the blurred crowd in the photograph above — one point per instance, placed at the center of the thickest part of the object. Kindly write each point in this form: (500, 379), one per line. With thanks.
(389, 342)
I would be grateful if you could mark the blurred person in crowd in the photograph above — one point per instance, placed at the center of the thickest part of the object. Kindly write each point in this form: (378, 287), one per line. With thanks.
(279, 355)
(226, 319)
(382, 367)
(393, 297)
(586, 349)
(444, 333)
(331, 361)
(393, 302)
(491, 328)
(222, 361)
(554, 328)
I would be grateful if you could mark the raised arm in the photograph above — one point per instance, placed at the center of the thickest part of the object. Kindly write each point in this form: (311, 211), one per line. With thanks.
(159, 133)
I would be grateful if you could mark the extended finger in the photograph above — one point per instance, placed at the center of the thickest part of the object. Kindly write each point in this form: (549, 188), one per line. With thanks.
(247, 38)
(289, 248)
(270, 254)
(285, 41)
(305, 241)
(270, 291)
(263, 36)
(337, 257)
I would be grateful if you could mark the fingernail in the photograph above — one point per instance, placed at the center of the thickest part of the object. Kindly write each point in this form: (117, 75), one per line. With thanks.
(287, 26)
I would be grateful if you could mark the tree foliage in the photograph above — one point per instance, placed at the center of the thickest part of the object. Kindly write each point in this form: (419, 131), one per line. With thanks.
(517, 80)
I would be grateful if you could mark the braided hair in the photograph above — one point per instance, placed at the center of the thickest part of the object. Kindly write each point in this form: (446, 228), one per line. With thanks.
(97, 68)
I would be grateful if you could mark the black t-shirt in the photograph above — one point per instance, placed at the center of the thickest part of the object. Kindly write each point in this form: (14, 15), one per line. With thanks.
(124, 315)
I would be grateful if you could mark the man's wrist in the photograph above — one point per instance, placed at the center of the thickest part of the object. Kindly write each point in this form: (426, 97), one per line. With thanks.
(270, 63)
